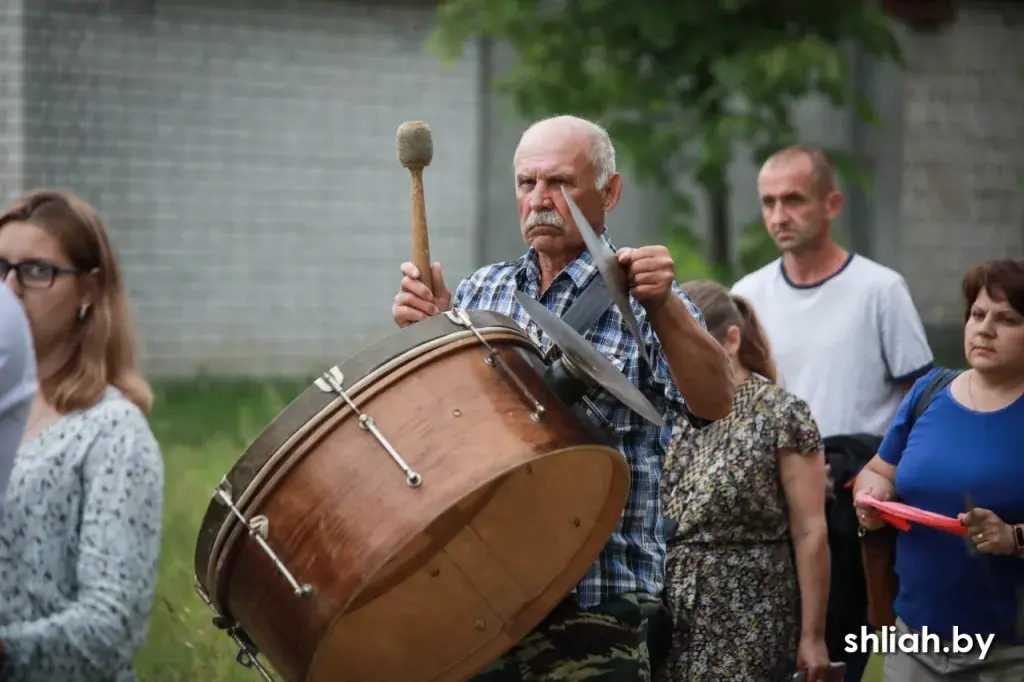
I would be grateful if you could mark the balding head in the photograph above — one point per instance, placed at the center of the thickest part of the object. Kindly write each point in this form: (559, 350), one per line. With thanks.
(600, 152)
(571, 153)
(815, 160)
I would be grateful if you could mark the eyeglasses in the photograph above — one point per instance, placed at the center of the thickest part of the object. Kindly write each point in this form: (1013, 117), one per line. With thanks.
(34, 274)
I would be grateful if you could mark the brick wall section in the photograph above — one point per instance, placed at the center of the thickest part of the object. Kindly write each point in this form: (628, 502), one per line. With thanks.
(962, 198)
(11, 100)
(243, 155)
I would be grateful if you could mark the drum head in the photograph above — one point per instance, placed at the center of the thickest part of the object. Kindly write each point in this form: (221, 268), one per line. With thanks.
(482, 576)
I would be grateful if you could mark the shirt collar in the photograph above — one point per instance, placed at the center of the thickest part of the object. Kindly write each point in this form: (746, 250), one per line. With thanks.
(579, 271)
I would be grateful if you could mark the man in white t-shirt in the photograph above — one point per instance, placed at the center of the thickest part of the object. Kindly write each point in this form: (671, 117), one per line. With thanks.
(844, 331)
(17, 381)
(844, 334)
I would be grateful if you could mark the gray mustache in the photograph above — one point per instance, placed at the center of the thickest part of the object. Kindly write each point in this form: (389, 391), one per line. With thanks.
(550, 218)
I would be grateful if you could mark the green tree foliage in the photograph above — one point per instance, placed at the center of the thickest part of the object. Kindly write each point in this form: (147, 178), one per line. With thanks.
(678, 84)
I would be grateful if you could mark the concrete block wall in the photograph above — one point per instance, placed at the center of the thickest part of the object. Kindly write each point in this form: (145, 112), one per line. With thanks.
(243, 156)
(961, 198)
(12, 137)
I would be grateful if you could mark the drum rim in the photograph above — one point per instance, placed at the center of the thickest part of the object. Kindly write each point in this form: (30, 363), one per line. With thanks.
(311, 407)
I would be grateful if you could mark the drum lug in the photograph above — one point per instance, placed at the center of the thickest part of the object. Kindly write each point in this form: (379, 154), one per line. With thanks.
(259, 529)
(494, 359)
(248, 652)
(260, 525)
(333, 381)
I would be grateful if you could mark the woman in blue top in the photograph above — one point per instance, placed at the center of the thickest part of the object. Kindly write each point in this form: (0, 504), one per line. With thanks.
(968, 445)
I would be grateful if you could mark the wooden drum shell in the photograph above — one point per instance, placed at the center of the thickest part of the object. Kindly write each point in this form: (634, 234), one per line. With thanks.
(425, 583)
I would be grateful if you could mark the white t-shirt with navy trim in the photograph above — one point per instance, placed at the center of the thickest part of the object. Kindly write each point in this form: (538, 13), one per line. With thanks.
(843, 345)
(17, 381)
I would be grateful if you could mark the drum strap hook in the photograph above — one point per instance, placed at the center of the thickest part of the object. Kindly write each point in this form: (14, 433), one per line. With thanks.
(247, 655)
(248, 652)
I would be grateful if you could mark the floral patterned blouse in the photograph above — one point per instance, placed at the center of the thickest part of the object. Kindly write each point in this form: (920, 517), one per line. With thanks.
(731, 581)
(79, 541)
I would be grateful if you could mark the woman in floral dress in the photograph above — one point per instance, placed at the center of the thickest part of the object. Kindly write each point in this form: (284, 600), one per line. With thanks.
(80, 528)
(747, 575)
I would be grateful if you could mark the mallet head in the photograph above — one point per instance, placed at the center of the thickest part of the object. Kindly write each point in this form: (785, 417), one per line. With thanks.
(415, 145)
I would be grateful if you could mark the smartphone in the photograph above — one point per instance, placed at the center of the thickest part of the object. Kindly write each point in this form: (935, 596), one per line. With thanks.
(836, 673)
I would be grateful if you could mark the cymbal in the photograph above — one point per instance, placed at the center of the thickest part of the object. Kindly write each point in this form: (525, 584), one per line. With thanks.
(611, 271)
(584, 358)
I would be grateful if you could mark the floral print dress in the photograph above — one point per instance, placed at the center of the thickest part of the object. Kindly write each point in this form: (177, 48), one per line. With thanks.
(730, 577)
(80, 536)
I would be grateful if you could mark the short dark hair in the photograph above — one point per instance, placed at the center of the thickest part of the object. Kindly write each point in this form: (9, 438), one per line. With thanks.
(1002, 279)
(823, 177)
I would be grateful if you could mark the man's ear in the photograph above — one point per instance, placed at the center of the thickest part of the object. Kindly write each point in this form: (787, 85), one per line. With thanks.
(611, 192)
(834, 204)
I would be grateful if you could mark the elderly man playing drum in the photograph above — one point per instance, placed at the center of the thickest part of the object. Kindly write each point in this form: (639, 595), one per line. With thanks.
(599, 632)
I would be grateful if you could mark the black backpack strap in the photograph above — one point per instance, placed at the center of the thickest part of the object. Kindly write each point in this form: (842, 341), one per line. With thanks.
(589, 306)
(934, 386)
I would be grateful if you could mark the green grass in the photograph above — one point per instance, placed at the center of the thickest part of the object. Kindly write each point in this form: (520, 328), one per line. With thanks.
(874, 671)
(203, 427)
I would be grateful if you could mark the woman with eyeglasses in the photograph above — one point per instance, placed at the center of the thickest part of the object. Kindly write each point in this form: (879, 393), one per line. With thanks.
(80, 528)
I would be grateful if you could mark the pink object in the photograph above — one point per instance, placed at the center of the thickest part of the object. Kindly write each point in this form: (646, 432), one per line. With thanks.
(900, 515)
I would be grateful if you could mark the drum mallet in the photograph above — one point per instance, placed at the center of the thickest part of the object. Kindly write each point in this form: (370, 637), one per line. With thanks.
(415, 151)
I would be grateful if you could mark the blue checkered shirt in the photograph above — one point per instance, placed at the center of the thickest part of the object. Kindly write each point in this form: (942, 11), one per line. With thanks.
(633, 560)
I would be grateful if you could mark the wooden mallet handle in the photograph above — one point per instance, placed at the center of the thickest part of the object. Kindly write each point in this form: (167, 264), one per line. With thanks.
(415, 151)
(420, 240)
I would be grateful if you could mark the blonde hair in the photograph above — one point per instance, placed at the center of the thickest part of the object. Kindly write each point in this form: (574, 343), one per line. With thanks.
(103, 343)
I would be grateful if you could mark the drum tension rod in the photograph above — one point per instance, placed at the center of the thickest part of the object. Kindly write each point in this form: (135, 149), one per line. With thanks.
(248, 652)
(494, 359)
(257, 528)
(332, 382)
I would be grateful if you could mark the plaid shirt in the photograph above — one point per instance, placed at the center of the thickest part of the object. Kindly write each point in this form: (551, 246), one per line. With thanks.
(633, 560)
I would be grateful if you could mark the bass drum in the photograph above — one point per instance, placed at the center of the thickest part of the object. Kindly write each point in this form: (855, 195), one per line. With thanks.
(414, 513)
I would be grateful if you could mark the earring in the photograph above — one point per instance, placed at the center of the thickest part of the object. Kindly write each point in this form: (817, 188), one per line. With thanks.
(83, 311)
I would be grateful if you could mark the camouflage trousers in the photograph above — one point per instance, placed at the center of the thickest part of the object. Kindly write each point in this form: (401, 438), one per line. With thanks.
(607, 643)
